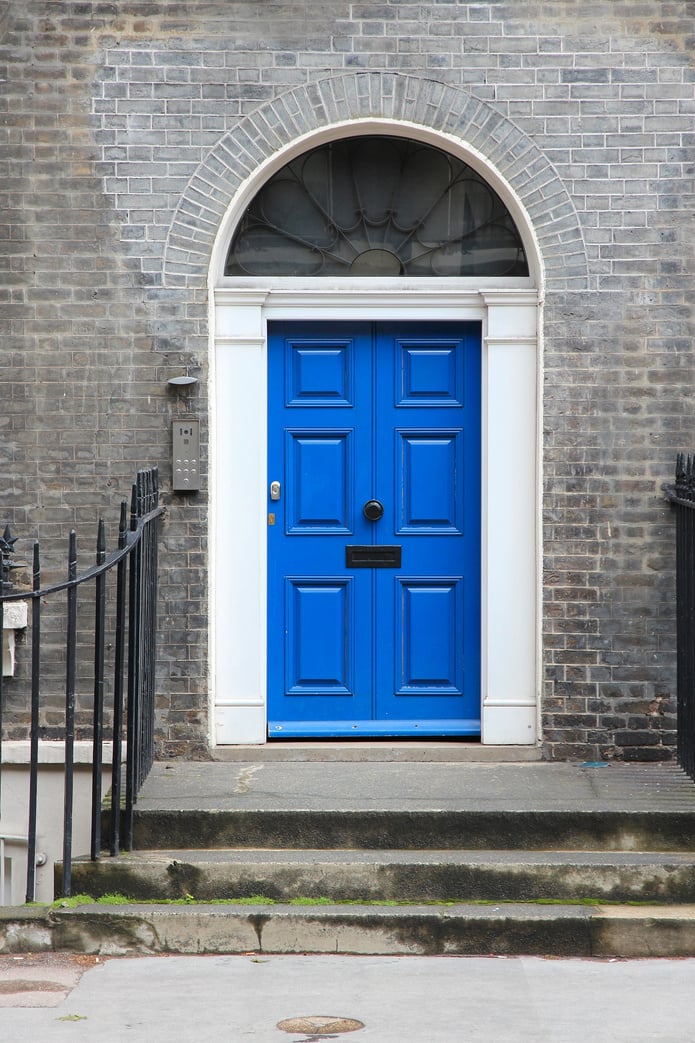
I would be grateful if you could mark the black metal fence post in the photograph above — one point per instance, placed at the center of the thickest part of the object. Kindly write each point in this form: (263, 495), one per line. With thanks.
(34, 735)
(119, 661)
(98, 711)
(682, 496)
(133, 680)
(70, 716)
(7, 542)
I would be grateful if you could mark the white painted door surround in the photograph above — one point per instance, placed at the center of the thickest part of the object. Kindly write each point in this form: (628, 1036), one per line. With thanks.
(508, 311)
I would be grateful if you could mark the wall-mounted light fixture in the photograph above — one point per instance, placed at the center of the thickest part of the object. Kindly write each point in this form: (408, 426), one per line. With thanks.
(183, 381)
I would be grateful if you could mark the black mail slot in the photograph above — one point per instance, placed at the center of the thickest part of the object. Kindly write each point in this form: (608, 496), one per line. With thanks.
(375, 557)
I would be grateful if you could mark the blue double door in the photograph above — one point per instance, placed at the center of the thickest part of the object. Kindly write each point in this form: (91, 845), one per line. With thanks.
(373, 529)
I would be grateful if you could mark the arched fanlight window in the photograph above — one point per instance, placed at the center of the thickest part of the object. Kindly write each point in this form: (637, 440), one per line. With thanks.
(376, 206)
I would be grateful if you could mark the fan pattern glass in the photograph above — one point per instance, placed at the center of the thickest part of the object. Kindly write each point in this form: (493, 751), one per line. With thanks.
(376, 206)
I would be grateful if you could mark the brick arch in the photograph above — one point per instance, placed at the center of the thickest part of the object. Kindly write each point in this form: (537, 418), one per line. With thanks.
(388, 96)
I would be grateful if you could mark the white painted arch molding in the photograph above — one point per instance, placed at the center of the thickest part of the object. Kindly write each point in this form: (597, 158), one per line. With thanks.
(364, 102)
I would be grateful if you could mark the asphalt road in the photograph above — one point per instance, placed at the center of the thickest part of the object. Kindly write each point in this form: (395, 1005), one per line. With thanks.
(225, 999)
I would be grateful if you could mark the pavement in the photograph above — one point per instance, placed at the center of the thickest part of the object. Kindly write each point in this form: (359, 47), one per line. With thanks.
(208, 999)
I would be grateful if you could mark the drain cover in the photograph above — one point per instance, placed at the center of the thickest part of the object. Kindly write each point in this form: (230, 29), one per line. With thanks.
(320, 1025)
(30, 985)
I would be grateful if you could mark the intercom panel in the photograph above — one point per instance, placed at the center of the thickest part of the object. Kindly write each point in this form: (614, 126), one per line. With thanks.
(185, 443)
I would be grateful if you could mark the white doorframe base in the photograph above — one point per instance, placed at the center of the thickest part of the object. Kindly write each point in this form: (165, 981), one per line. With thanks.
(509, 503)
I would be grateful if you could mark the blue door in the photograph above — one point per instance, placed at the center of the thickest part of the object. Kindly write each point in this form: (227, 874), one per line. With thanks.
(373, 529)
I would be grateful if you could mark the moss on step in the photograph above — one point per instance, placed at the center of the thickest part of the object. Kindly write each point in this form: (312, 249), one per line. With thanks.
(119, 899)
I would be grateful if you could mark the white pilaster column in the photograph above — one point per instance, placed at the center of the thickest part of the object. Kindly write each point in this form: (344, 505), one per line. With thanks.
(510, 519)
(239, 527)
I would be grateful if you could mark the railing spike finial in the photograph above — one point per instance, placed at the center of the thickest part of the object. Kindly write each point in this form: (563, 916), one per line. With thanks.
(123, 524)
(101, 542)
(134, 508)
(684, 486)
(7, 541)
(36, 565)
(689, 481)
(7, 564)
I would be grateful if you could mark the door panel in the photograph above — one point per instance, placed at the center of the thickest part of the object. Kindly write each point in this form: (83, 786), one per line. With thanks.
(320, 650)
(428, 479)
(319, 481)
(428, 614)
(430, 374)
(319, 374)
(374, 411)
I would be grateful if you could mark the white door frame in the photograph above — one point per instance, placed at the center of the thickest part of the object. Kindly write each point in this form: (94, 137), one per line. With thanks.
(509, 495)
(509, 313)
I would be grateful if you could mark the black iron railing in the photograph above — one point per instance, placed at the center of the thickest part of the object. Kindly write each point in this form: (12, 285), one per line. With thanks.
(125, 583)
(682, 496)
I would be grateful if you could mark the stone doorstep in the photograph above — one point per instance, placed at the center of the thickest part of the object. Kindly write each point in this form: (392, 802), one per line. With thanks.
(514, 929)
(381, 751)
(400, 875)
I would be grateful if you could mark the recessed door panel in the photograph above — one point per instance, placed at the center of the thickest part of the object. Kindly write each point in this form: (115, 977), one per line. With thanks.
(320, 646)
(374, 544)
(429, 374)
(319, 374)
(319, 491)
(428, 637)
(429, 480)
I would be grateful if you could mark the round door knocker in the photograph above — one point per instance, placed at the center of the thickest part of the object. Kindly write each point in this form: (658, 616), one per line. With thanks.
(373, 510)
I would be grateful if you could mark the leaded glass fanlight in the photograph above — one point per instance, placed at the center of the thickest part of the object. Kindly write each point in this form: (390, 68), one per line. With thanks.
(376, 206)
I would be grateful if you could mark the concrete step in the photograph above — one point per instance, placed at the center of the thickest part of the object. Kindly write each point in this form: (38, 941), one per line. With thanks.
(510, 929)
(416, 829)
(512, 859)
(397, 875)
(377, 805)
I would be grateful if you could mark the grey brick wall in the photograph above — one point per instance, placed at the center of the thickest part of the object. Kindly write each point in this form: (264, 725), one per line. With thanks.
(126, 126)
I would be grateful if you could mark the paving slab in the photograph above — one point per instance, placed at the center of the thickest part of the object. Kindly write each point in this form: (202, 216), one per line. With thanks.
(397, 999)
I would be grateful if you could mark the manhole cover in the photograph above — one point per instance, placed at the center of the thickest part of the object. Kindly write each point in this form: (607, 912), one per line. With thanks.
(320, 1025)
(30, 985)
